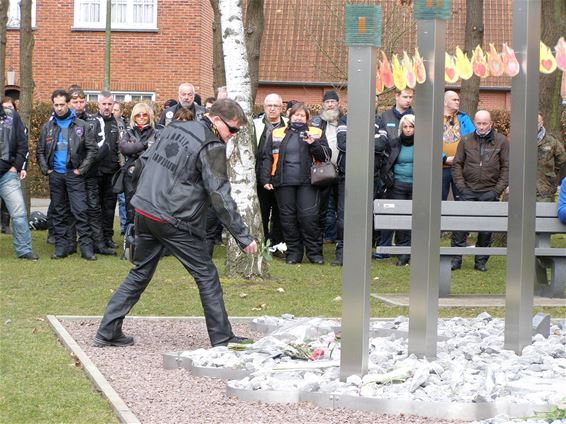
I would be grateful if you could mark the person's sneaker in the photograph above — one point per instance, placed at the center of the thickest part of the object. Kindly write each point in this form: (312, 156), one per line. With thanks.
(402, 262)
(88, 255)
(30, 256)
(480, 267)
(380, 256)
(103, 250)
(121, 341)
(235, 340)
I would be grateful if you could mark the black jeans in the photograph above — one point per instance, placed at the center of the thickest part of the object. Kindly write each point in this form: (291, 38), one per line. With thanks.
(107, 204)
(299, 210)
(68, 192)
(402, 191)
(152, 238)
(93, 210)
(484, 238)
(269, 215)
(340, 217)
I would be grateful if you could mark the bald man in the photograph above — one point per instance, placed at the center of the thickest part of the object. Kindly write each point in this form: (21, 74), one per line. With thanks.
(481, 173)
(456, 125)
(186, 97)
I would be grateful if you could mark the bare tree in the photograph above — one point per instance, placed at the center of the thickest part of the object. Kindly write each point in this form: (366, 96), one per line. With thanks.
(254, 31)
(26, 76)
(470, 91)
(4, 6)
(241, 170)
(218, 72)
(553, 25)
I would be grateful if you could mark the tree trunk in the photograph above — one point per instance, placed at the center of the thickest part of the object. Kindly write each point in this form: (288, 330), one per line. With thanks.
(218, 72)
(254, 33)
(470, 91)
(26, 77)
(241, 169)
(553, 25)
(4, 6)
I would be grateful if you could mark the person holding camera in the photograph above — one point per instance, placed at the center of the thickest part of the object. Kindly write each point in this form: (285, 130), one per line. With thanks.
(287, 161)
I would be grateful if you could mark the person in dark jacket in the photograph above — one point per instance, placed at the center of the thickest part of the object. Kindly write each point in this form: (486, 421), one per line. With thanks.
(65, 151)
(183, 173)
(398, 175)
(381, 151)
(187, 101)
(286, 169)
(137, 138)
(481, 173)
(13, 160)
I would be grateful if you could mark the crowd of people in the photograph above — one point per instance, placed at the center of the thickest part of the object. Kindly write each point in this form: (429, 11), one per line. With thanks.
(90, 161)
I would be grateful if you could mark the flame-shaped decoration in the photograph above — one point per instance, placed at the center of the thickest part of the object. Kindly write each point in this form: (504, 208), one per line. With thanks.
(385, 70)
(510, 62)
(409, 71)
(398, 75)
(479, 64)
(463, 64)
(560, 49)
(494, 62)
(420, 70)
(450, 72)
(378, 80)
(547, 61)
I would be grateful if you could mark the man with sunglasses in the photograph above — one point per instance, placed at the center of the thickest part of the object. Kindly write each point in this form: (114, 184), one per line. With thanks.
(182, 175)
(187, 101)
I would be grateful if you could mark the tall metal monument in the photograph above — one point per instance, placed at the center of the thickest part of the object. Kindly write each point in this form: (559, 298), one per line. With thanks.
(363, 35)
(431, 19)
(522, 176)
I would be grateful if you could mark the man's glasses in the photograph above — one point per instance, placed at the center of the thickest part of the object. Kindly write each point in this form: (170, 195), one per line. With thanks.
(231, 129)
(141, 115)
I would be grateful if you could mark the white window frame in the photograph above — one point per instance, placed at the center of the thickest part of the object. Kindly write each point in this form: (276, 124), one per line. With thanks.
(92, 96)
(120, 26)
(14, 14)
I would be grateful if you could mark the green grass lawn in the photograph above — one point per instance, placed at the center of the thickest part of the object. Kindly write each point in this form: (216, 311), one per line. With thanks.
(39, 382)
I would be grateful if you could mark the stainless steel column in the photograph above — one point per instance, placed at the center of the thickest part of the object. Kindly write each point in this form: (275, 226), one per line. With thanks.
(427, 177)
(522, 176)
(358, 212)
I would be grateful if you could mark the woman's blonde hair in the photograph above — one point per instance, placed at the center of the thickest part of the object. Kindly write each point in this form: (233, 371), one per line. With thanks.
(406, 119)
(142, 108)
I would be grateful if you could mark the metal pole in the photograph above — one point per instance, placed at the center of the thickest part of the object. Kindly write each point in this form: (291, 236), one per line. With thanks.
(522, 176)
(425, 251)
(358, 212)
(107, 44)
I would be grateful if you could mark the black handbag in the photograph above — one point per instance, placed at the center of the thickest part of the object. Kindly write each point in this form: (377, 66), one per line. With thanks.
(118, 181)
(323, 173)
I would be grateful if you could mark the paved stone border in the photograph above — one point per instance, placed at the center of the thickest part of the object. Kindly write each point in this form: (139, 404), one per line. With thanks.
(125, 415)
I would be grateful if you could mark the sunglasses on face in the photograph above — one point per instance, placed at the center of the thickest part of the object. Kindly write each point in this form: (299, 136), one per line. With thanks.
(141, 115)
(231, 129)
(77, 96)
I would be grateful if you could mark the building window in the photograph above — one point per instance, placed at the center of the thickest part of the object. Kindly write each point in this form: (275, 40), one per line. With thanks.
(126, 14)
(14, 14)
(123, 96)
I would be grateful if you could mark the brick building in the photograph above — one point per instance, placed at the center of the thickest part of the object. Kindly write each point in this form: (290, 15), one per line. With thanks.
(156, 44)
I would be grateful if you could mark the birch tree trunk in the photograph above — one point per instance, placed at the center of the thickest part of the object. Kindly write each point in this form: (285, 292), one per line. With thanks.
(26, 79)
(241, 158)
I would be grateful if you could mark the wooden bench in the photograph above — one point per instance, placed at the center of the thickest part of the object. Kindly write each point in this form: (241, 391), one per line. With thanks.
(481, 216)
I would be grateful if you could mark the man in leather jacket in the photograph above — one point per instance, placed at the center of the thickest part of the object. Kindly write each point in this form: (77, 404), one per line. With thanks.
(65, 152)
(182, 175)
(187, 101)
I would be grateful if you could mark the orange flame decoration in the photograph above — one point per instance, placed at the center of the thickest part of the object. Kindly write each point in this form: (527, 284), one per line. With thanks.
(385, 70)
(510, 62)
(420, 70)
(494, 62)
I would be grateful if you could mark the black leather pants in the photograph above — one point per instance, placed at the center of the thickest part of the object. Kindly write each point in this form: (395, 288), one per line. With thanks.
(151, 239)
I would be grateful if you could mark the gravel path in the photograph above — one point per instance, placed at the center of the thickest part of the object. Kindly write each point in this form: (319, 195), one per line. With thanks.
(156, 395)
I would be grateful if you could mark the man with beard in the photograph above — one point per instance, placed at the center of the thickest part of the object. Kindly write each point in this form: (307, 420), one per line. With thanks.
(183, 174)
(263, 126)
(327, 121)
(186, 100)
(65, 151)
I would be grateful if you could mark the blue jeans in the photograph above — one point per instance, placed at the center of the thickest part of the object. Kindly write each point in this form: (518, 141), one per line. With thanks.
(122, 211)
(11, 193)
(448, 182)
